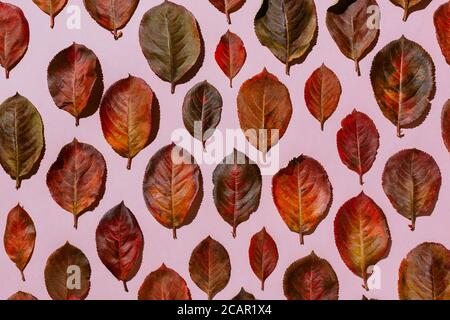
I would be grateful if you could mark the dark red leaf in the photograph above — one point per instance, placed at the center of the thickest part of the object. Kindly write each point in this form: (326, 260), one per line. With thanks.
(263, 255)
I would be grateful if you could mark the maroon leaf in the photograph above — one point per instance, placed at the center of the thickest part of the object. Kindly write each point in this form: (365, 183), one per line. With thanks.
(263, 255)
(231, 55)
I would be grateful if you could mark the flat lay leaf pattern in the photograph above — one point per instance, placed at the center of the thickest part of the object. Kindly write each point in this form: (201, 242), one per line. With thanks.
(446, 124)
(409, 6)
(52, 8)
(244, 295)
(228, 6)
(263, 255)
(442, 25)
(20, 295)
(231, 55)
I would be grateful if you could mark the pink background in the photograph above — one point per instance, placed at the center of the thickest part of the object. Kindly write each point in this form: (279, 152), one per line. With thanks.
(118, 58)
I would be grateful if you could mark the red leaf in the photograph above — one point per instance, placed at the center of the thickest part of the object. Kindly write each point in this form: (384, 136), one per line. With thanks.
(446, 124)
(231, 55)
(22, 296)
(263, 255)
(228, 6)
(51, 7)
(442, 24)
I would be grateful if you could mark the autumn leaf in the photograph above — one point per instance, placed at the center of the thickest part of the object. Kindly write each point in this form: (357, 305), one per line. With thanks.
(126, 114)
(352, 31)
(209, 267)
(445, 119)
(412, 181)
(51, 7)
(73, 76)
(228, 6)
(237, 188)
(303, 194)
(173, 187)
(120, 243)
(77, 178)
(322, 94)
(264, 110)
(358, 141)
(202, 110)
(230, 55)
(21, 138)
(402, 78)
(164, 284)
(362, 235)
(410, 6)
(64, 267)
(442, 25)
(19, 238)
(14, 36)
(171, 41)
(243, 296)
(113, 15)
(263, 255)
(20, 295)
(425, 273)
(310, 278)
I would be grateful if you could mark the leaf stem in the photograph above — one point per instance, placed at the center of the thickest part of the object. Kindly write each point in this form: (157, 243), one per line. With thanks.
(262, 285)
(302, 238)
(7, 73)
(52, 21)
(174, 232)
(18, 183)
(22, 275)
(405, 14)
(125, 286)
(130, 163)
(75, 222)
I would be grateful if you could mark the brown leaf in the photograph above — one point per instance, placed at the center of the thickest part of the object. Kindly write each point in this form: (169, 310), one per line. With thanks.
(77, 178)
(173, 187)
(410, 6)
(164, 284)
(442, 24)
(264, 109)
(446, 124)
(210, 267)
(362, 235)
(263, 255)
(228, 6)
(303, 194)
(51, 7)
(425, 273)
(22, 296)
(311, 278)
(403, 82)
(231, 55)
(244, 295)
(412, 181)
(19, 238)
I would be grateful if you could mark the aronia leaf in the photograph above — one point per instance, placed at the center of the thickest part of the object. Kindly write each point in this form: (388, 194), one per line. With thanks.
(351, 29)
(77, 178)
(244, 295)
(362, 235)
(202, 110)
(237, 188)
(19, 238)
(442, 24)
(231, 55)
(228, 6)
(403, 82)
(65, 266)
(14, 36)
(120, 243)
(322, 94)
(263, 255)
(20, 295)
(288, 28)
(446, 124)
(412, 181)
(74, 74)
(21, 138)
(113, 15)
(126, 114)
(311, 278)
(51, 7)
(264, 110)
(173, 187)
(171, 41)
(410, 6)
(210, 267)
(164, 284)
(425, 273)
(358, 141)
(303, 194)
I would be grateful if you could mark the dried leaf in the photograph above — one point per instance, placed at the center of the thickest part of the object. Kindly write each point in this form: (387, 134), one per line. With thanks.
(65, 267)
(21, 138)
(351, 30)
(412, 181)
(19, 238)
(322, 94)
(410, 6)
(358, 141)
(237, 188)
(22, 296)
(77, 178)
(126, 116)
(244, 296)
(231, 55)
(425, 273)
(73, 75)
(14, 36)
(51, 7)
(228, 6)
(264, 109)
(303, 194)
(442, 24)
(446, 124)
(202, 110)
(210, 267)
(113, 15)
(403, 82)
(288, 28)
(173, 187)
(263, 255)
(311, 278)
(362, 235)
(171, 41)
(120, 243)
(164, 284)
